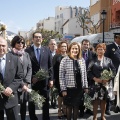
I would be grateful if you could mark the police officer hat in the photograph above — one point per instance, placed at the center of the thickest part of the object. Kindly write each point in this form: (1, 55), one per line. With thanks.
(117, 35)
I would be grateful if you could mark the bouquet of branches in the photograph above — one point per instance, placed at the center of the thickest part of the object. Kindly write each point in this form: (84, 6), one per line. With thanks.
(88, 101)
(106, 74)
(41, 75)
(36, 98)
(54, 92)
(2, 88)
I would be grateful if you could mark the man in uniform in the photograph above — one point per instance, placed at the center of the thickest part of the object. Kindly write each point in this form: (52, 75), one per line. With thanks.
(113, 52)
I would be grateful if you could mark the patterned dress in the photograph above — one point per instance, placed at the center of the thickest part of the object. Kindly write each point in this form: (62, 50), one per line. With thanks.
(98, 90)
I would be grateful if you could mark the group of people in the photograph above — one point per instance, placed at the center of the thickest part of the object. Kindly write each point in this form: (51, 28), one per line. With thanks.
(73, 70)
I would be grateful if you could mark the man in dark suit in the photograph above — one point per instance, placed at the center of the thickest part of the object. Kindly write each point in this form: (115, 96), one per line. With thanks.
(113, 52)
(88, 56)
(11, 74)
(41, 59)
(53, 47)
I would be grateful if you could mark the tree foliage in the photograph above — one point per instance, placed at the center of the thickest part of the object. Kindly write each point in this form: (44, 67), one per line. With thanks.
(84, 21)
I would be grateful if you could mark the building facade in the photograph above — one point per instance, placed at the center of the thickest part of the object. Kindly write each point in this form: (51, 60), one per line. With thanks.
(115, 17)
(47, 24)
(96, 7)
(63, 14)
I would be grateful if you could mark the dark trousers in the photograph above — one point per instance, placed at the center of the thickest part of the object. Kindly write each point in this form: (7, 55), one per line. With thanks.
(107, 104)
(53, 100)
(45, 108)
(23, 98)
(11, 113)
(23, 110)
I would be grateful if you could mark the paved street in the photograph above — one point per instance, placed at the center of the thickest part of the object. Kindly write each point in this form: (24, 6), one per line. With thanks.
(53, 116)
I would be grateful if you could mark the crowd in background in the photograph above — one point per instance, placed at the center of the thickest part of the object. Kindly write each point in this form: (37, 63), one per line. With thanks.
(73, 68)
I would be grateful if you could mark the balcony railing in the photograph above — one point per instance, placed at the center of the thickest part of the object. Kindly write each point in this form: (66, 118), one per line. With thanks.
(115, 25)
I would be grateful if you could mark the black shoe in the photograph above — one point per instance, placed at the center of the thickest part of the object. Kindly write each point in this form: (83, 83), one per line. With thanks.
(108, 112)
(88, 111)
(54, 106)
(117, 109)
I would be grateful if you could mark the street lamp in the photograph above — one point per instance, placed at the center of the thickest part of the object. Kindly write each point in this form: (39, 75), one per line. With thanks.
(103, 16)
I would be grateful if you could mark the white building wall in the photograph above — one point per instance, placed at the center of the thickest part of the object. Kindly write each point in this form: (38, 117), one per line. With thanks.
(47, 24)
(72, 27)
(66, 28)
(92, 2)
(62, 14)
(95, 18)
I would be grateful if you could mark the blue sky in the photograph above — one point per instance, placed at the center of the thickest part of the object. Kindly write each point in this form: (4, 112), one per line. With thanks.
(24, 14)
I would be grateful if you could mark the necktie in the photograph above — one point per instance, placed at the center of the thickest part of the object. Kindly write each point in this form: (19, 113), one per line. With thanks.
(38, 54)
(84, 55)
(119, 47)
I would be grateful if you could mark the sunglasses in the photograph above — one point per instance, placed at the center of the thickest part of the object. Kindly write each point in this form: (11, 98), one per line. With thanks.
(18, 42)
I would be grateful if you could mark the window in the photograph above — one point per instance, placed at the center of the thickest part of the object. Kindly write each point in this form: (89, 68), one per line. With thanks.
(61, 15)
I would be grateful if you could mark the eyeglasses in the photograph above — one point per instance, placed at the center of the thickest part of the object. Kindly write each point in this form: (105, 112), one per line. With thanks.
(18, 42)
(37, 37)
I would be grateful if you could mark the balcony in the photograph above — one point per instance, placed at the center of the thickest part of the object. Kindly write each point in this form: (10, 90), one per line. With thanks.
(115, 25)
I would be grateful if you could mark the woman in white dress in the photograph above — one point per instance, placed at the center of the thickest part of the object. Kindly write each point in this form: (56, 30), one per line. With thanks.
(117, 89)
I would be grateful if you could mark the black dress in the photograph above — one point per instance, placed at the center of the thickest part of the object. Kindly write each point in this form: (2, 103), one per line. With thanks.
(98, 90)
(56, 63)
(75, 94)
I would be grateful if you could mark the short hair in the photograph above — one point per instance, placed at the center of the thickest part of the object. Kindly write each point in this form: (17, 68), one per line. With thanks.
(16, 39)
(60, 44)
(101, 45)
(85, 40)
(80, 51)
(35, 33)
(52, 40)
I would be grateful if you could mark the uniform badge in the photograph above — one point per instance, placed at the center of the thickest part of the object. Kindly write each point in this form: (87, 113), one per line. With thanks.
(113, 49)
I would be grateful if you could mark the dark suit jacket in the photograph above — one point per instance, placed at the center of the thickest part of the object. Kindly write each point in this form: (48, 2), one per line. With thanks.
(91, 55)
(12, 78)
(45, 63)
(113, 53)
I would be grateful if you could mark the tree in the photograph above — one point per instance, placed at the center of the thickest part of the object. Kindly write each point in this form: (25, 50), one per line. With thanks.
(84, 21)
(2, 28)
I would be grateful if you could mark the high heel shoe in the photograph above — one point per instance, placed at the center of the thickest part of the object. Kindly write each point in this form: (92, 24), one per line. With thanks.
(60, 116)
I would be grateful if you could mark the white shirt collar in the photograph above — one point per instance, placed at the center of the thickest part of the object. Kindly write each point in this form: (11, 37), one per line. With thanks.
(36, 47)
(116, 44)
(3, 57)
